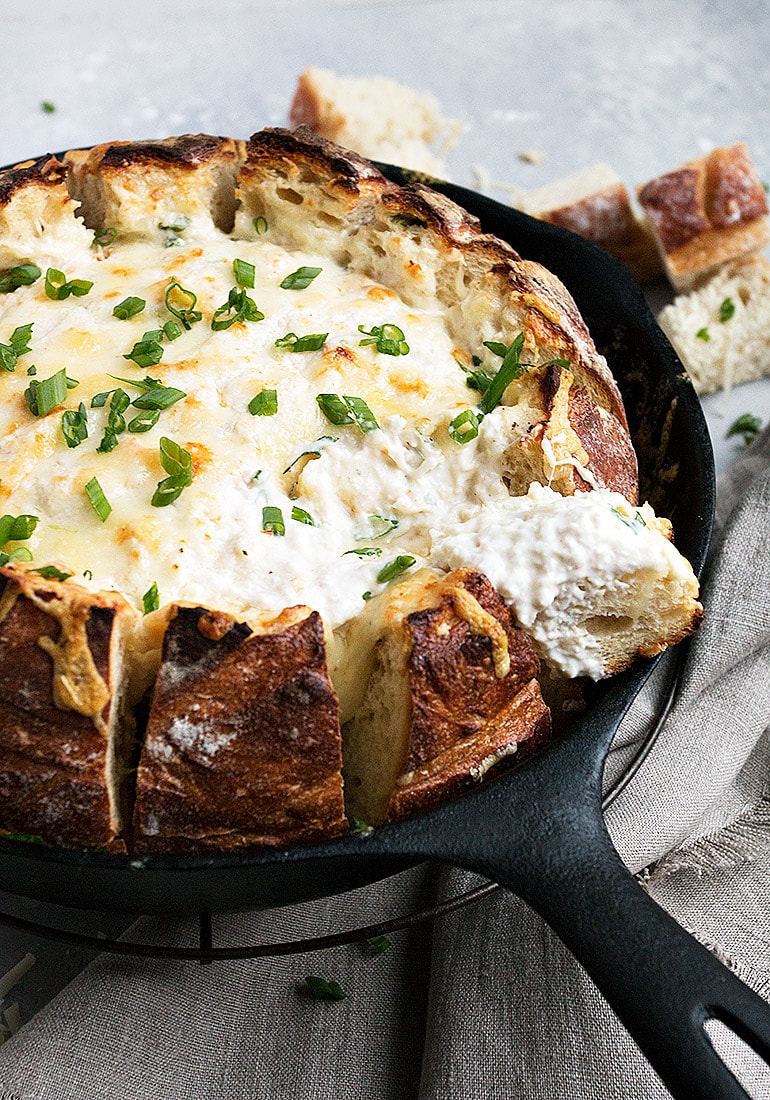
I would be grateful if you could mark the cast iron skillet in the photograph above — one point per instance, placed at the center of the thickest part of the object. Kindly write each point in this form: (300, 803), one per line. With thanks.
(538, 830)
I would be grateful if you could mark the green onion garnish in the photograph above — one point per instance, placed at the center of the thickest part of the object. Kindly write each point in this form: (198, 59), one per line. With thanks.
(388, 339)
(726, 310)
(703, 334)
(244, 273)
(171, 331)
(98, 500)
(103, 238)
(747, 425)
(16, 528)
(14, 277)
(128, 308)
(51, 573)
(312, 342)
(159, 397)
(347, 410)
(395, 568)
(58, 287)
(151, 599)
(148, 351)
(116, 422)
(323, 989)
(301, 516)
(509, 370)
(381, 526)
(260, 225)
(17, 346)
(74, 425)
(143, 421)
(265, 403)
(177, 462)
(44, 395)
(181, 302)
(238, 307)
(465, 426)
(272, 520)
(301, 278)
(366, 551)
(634, 522)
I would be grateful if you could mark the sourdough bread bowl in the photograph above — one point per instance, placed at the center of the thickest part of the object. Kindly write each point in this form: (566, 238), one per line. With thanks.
(334, 469)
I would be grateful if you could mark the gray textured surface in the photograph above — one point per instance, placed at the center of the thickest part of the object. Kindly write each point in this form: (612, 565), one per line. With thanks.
(641, 84)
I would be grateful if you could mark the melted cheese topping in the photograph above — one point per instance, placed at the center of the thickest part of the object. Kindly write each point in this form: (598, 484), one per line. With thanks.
(377, 491)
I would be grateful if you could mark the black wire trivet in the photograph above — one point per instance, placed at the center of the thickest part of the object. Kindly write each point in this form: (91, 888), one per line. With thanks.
(205, 952)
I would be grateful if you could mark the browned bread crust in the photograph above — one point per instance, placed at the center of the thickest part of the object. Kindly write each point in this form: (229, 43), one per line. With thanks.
(706, 212)
(453, 691)
(61, 691)
(243, 740)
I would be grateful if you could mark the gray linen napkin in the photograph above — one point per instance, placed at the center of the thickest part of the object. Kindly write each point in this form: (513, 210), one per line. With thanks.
(487, 1003)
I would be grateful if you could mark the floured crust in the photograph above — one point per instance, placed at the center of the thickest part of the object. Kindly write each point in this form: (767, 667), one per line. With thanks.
(243, 740)
(64, 736)
(708, 211)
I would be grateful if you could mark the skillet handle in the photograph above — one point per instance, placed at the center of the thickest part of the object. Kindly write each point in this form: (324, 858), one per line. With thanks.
(662, 984)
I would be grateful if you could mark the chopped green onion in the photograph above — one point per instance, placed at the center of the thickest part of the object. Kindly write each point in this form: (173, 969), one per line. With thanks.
(116, 423)
(361, 413)
(16, 528)
(43, 396)
(291, 342)
(260, 225)
(128, 308)
(17, 346)
(151, 599)
(347, 410)
(376, 945)
(58, 287)
(389, 339)
(272, 520)
(747, 425)
(381, 526)
(47, 107)
(334, 408)
(367, 595)
(238, 307)
(395, 568)
(703, 334)
(465, 426)
(148, 351)
(634, 522)
(159, 397)
(366, 551)
(143, 421)
(98, 500)
(177, 462)
(301, 278)
(14, 277)
(103, 238)
(184, 310)
(265, 403)
(323, 989)
(244, 273)
(510, 369)
(74, 425)
(301, 516)
(178, 223)
(726, 310)
(51, 573)
(311, 452)
(171, 331)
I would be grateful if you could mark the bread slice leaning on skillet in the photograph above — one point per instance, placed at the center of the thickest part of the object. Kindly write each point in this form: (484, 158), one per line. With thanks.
(258, 761)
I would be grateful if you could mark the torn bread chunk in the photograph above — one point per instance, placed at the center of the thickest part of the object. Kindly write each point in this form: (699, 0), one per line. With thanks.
(721, 331)
(594, 581)
(595, 204)
(66, 741)
(156, 189)
(38, 223)
(450, 695)
(705, 213)
(375, 116)
(243, 744)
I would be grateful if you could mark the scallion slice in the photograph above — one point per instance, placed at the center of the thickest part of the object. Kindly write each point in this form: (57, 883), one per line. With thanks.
(238, 307)
(395, 568)
(272, 520)
(265, 403)
(181, 303)
(301, 516)
(58, 286)
(97, 499)
(128, 308)
(510, 369)
(465, 426)
(148, 351)
(301, 278)
(314, 341)
(17, 346)
(388, 339)
(243, 273)
(177, 462)
(74, 425)
(14, 277)
(151, 599)
(361, 413)
(365, 552)
(334, 408)
(43, 395)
